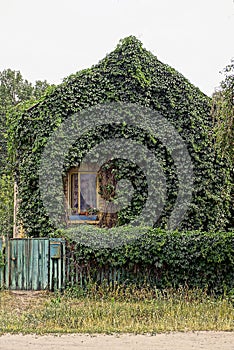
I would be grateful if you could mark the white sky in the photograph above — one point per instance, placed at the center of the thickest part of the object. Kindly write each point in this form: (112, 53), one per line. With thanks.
(50, 39)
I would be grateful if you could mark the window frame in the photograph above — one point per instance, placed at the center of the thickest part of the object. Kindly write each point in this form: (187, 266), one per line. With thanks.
(82, 217)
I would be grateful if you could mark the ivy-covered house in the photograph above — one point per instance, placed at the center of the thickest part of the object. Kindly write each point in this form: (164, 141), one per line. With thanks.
(128, 76)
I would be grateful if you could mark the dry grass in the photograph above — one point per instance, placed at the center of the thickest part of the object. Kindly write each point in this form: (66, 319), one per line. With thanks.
(124, 311)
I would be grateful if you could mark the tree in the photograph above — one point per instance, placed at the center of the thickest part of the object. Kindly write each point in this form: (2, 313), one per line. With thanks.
(39, 88)
(13, 90)
(223, 114)
(223, 117)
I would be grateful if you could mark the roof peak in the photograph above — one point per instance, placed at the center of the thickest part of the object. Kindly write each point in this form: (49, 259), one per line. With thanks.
(129, 40)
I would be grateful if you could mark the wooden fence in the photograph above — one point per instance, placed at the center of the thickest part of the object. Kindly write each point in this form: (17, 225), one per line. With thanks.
(49, 264)
(32, 264)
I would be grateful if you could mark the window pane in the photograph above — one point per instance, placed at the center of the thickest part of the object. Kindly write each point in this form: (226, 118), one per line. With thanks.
(88, 195)
(74, 193)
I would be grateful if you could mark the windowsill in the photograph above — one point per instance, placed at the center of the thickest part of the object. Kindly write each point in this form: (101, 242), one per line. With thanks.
(83, 219)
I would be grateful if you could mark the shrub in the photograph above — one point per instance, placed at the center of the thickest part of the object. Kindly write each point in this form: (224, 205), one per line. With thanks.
(153, 256)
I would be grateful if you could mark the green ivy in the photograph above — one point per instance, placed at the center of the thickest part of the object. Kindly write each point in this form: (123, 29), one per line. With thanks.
(6, 205)
(155, 256)
(1, 260)
(129, 74)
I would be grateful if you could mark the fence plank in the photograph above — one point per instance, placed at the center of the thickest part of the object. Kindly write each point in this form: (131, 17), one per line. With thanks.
(1, 267)
(57, 261)
(27, 264)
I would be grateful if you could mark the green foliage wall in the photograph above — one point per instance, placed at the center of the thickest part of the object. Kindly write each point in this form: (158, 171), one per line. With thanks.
(223, 113)
(129, 74)
(14, 90)
(6, 205)
(156, 257)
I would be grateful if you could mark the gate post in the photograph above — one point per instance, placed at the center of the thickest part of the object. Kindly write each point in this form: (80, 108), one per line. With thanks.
(1, 265)
(4, 266)
(57, 258)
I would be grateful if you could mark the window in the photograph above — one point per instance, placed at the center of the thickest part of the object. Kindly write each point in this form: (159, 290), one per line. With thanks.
(83, 195)
(83, 192)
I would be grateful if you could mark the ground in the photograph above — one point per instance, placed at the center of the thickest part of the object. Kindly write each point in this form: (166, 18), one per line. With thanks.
(21, 301)
(175, 341)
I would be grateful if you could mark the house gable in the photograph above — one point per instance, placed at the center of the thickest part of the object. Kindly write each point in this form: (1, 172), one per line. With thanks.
(130, 74)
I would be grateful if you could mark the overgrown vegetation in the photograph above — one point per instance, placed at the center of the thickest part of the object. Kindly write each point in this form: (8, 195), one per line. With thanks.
(223, 114)
(1, 259)
(223, 119)
(130, 74)
(6, 204)
(14, 90)
(119, 310)
(157, 257)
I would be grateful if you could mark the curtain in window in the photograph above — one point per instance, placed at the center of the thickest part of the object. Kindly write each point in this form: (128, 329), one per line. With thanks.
(88, 194)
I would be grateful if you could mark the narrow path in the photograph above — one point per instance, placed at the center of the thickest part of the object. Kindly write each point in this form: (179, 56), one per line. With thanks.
(170, 341)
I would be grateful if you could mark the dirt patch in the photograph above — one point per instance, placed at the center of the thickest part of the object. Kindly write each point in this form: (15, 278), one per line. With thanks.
(20, 301)
(169, 341)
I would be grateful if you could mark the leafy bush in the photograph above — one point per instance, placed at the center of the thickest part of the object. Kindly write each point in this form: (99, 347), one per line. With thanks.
(153, 257)
(6, 205)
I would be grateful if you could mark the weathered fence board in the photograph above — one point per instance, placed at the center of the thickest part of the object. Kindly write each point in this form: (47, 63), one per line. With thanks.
(1, 267)
(27, 264)
(57, 264)
(47, 264)
(30, 264)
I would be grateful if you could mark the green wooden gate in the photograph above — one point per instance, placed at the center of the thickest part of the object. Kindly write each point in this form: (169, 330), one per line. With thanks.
(33, 264)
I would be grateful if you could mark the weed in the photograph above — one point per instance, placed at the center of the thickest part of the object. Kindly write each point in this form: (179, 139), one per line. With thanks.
(105, 309)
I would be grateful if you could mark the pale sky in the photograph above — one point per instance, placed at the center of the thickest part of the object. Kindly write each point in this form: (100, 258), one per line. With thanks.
(51, 39)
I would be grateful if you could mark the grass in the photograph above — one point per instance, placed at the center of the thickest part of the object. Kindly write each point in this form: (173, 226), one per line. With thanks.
(114, 310)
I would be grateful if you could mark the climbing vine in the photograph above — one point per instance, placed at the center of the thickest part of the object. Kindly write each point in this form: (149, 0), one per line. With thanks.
(129, 74)
(154, 256)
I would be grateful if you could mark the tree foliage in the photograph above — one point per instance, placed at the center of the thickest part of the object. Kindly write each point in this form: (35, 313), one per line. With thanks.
(223, 119)
(14, 90)
(223, 114)
(6, 204)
